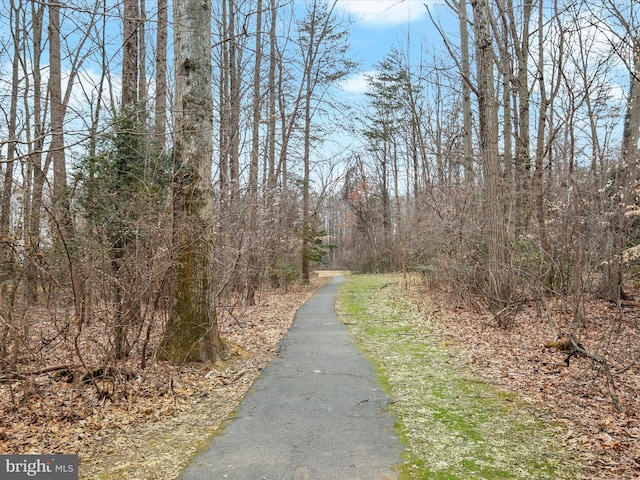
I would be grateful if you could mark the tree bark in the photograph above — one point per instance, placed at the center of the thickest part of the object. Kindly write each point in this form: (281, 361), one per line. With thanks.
(252, 260)
(192, 331)
(127, 308)
(7, 264)
(161, 75)
(257, 107)
(223, 105)
(235, 80)
(61, 201)
(538, 174)
(130, 53)
(271, 112)
(522, 159)
(310, 57)
(498, 267)
(36, 171)
(467, 133)
(142, 52)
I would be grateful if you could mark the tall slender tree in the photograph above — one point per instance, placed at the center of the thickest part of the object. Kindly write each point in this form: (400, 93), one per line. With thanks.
(130, 53)
(499, 279)
(257, 107)
(36, 169)
(387, 94)
(161, 75)
(323, 42)
(61, 200)
(7, 263)
(465, 67)
(271, 101)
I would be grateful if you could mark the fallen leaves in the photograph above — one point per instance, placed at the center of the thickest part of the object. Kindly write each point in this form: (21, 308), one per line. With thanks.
(150, 421)
(517, 359)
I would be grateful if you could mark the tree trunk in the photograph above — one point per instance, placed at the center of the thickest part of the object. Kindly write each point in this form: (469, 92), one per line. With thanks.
(257, 107)
(498, 268)
(271, 113)
(7, 263)
(191, 332)
(522, 159)
(161, 76)
(309, 65)
(142, 52)
(36, 172)
(506, 76)
(252, 259)
(61, 201)
(467, 134)
(538, 174)
(130, 53)
(235, 80)
(223, 105)
(127, 309)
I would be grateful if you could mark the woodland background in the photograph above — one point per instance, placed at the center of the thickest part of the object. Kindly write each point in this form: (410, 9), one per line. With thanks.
(502, 168)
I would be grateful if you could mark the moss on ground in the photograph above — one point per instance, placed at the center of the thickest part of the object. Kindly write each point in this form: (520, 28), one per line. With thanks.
(455, 426)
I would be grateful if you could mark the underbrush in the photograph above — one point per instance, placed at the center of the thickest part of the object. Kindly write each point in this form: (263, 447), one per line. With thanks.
(157, 416)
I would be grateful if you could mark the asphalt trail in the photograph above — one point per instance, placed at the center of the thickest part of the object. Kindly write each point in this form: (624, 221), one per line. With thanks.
(316, 413)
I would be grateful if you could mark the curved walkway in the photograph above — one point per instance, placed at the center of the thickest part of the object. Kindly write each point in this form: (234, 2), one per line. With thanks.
(316, 413)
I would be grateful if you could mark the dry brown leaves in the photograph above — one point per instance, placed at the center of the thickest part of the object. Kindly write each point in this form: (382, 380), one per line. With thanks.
(517, 359)
(158, 416)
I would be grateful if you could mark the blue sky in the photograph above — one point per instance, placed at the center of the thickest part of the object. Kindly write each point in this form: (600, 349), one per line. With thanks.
(377, 26)
(380, 24)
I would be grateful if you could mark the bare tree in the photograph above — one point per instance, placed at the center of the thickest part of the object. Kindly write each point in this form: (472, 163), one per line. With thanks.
(233, 34)
(323, 48)
(8, 263)
(36, 170)
(271, 88)
(467, 131)
(141, 19)
(498, 263)
(253, 261)
(130, 53)
(61, 199)
(161, 75)
(7, 260)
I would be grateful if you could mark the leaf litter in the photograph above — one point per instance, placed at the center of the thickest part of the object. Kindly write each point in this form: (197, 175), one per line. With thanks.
(161, 415)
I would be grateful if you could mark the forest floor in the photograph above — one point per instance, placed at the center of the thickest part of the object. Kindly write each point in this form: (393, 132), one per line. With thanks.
(519, 359)
(157, 418)
(167, 413)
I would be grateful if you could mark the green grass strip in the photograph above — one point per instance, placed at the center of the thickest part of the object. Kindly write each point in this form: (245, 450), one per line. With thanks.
(455, 426)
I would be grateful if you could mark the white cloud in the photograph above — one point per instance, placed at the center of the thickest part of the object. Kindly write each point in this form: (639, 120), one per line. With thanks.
(356, 84)
(383, 12)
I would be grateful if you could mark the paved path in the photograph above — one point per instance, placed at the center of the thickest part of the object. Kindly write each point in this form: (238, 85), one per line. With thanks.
(316, 413)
